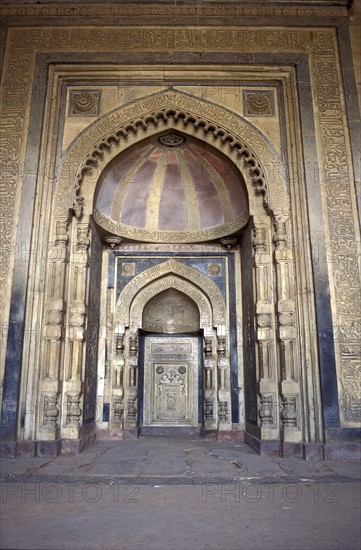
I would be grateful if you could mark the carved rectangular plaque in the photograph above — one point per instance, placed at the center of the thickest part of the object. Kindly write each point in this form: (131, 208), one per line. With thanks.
(171, 381)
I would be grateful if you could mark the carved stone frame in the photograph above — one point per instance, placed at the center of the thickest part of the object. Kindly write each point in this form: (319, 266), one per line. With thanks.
(322, 50)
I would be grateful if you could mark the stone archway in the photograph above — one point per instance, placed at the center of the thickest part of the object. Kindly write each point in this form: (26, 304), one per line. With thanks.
(213, 359)
(274, 351)
(118, 130)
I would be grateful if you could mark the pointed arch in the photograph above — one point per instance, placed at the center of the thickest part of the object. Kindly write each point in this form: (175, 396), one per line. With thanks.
(171, 274)
(116, 131)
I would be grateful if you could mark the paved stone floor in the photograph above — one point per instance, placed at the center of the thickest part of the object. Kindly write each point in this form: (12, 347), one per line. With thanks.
(178, 493)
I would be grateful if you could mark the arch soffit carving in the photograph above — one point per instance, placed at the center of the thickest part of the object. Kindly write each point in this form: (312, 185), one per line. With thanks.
(164, 283)
(117, 130)
(191, 276)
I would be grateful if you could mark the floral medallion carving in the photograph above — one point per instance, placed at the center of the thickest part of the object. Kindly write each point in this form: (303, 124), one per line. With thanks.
(84, 102)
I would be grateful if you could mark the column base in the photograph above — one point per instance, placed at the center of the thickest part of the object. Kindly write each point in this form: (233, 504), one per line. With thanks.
(263, 447)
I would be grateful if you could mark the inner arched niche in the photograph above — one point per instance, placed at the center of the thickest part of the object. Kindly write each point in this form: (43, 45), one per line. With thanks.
(171, 187)
(171, 311)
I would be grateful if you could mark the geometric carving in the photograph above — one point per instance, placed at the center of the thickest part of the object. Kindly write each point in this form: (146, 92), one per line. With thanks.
(223, 411)
(50, 408)
(118, 410)
(258, 103)
(289, 411)
(73, 409)
(54, 314)
(77, 320)
(84, 102)
(265, 411)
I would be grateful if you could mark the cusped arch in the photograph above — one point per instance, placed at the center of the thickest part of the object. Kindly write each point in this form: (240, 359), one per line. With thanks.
(215, 125)
(192, 278)
(165, 283)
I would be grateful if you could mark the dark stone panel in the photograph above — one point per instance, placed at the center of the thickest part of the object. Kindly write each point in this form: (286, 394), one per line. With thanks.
(326, 348)
(106, 411)
(48, 448)
(200, 380)
(111, 270)
(344, 434)
(249, 336)
(291, 450)
(10, 404)
(233, 339)
(202, 18)
(3, 38)
(26, 448)
(324, 330)
(92, 332)
(344, 451)
(12, 375)
(141, 378)
(8, 449)
(312, 451)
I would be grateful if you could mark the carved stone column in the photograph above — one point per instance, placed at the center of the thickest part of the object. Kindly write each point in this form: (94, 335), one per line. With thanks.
(265, 319)
(53, 335)
(224, 393)
(210, 384)
(131, 384)
(287, 337)
(73, 374)
(118, 363)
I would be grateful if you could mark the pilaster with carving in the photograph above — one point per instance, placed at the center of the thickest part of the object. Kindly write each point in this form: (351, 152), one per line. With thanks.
(73, 373)
(131, 381)
(53, 334)
(210, 383)
(118, 363)
(224, 393)
(288, 354)
(265, 326)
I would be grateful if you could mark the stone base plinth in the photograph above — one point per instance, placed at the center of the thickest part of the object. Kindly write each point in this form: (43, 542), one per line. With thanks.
(263, 447)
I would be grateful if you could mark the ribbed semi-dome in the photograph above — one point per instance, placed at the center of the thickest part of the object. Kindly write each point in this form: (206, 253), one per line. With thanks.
(171, 188)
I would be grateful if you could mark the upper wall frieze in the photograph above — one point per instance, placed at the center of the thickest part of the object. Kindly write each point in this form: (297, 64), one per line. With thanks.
(220, 13)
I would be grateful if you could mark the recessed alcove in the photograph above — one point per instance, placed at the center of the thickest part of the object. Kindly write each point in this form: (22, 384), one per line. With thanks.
(171, 187)
(171, 311)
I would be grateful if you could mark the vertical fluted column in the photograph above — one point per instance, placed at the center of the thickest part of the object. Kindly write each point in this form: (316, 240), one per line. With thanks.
(265, 319)
(53, 334)
(287, 336)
